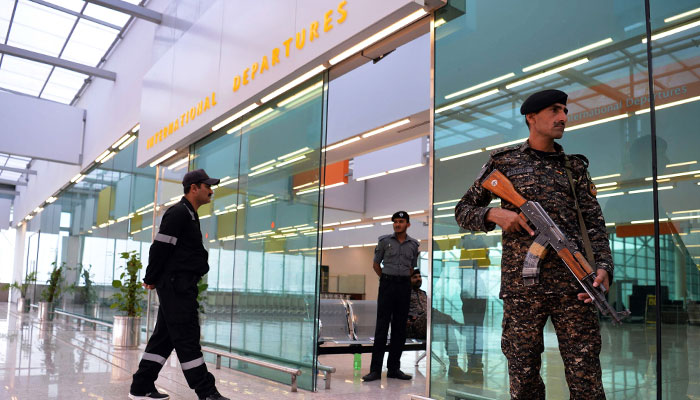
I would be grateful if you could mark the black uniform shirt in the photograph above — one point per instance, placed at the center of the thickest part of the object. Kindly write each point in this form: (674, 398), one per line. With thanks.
(177, 246)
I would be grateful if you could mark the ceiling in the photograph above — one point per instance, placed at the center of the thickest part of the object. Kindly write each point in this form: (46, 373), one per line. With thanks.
(71, 30)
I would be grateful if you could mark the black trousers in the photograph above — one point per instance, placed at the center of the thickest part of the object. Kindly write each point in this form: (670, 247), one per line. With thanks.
(177, 327)
(392, 309)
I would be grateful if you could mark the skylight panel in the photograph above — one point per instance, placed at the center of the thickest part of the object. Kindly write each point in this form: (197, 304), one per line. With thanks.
(6, 7)
(17, 162)
(74, 5)
(63, 85)
(107, 15)
(9, 175)
(23, 75)
(40, 29)
(89, 43)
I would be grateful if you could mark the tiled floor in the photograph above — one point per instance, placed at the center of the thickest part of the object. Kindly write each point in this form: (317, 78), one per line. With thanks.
(60, 360)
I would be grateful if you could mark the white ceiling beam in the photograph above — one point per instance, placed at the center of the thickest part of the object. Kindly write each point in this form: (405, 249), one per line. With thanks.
(20, 170)
(9, 182)
(130, 9)
(76, 14)
(58, 62)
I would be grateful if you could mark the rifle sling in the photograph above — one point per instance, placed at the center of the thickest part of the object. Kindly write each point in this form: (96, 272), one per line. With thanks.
(582, 224)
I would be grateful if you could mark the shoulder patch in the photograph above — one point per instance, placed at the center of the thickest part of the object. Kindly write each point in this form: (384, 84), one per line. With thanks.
(581, 158)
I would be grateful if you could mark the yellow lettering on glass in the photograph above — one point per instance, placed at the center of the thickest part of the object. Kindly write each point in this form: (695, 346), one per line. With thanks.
(245, 76)
(275, 56)
(199, 108)
(236, 83)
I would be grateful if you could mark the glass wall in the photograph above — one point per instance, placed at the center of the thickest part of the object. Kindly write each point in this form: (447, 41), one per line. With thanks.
(676, 66)
(489, 57)
(261, 230)
(104, 213)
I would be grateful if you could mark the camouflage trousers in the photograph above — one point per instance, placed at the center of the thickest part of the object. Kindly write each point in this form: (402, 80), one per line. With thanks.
(578, 333)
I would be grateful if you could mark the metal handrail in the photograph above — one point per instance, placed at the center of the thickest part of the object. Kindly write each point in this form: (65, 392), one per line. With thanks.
(327, 373)
(294, 372)
(452, 393)
(87, 319)
(417, 397)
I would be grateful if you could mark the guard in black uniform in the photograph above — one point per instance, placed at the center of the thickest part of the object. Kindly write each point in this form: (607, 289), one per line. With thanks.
(399, 252)
(176, 262)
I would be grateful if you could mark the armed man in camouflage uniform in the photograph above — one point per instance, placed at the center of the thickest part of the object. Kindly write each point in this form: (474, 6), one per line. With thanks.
(538, 170)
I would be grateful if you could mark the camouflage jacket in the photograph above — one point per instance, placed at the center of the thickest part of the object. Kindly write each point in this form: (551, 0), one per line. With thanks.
(540, 178)
(419, 303)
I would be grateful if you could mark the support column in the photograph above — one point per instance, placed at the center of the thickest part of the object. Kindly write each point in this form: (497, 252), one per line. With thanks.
(18, 261)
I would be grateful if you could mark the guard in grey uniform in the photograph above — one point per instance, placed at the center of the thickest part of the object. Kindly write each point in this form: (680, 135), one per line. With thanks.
(399, 252)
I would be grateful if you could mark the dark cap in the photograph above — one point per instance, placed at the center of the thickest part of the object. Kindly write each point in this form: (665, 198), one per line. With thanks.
(541, 100)
(416, 271)
(198, 176)
(401, 214)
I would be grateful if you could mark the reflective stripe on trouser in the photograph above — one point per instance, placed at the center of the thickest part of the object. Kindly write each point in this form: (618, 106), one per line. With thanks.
(177, 327)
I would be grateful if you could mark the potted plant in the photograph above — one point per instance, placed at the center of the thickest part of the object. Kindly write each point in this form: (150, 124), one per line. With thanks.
(89, 293)
(22, 302)
(127, 327)
(51, 293)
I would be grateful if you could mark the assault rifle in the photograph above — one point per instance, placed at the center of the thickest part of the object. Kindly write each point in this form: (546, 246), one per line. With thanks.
(549, 234)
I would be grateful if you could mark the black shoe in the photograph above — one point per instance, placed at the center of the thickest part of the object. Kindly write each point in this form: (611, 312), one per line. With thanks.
(214, 396)
(398, 374)
(152, 395)
(372, 376)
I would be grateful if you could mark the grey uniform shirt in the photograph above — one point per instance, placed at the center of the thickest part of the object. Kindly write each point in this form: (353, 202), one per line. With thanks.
(399, 258)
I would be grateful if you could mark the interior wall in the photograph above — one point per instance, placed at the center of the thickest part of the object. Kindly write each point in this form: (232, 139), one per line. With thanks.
(353, 261)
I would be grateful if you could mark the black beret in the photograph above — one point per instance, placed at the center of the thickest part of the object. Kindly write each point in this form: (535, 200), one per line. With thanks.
(400, 214)
(541, 100)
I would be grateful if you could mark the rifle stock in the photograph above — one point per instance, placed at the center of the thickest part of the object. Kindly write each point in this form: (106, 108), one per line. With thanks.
(533, 212)
(498, 184)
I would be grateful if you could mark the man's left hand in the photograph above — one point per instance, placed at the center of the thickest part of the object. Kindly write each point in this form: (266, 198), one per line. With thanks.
(601, 279)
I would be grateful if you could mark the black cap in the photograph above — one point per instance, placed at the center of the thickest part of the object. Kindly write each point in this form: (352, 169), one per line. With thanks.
(541, 100)
(416, 271)
(198, 176)
(401, 214)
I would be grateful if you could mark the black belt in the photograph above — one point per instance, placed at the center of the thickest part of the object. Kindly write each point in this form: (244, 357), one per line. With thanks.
(396, 278)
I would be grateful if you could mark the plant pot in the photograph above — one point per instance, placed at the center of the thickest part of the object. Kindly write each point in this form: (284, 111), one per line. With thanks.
(45, 311)
(22, 305)
(126, 332)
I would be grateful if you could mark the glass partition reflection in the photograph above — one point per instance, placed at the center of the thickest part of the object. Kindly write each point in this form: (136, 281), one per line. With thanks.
(261, 230)
(481, 80)
(676, 61)
(100, 215)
